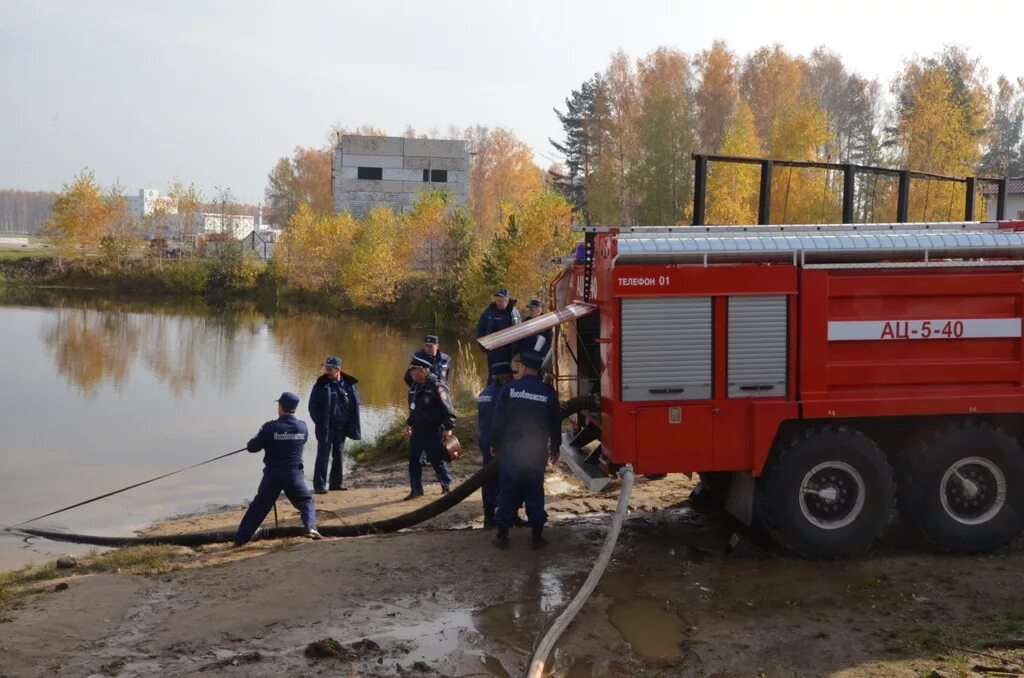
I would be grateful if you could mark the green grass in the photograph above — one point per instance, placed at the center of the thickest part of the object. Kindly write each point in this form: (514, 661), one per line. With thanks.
(390, 445)
(13, 254)
(156, 559)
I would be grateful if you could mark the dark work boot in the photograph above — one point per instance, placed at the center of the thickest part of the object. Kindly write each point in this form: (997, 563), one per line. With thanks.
(537, 540)
(501, 540)
(488, 518)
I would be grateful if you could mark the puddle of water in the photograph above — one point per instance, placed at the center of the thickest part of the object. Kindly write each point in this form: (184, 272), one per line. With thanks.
(654, 633)
(494, 667)
(429, 637)
(581, 668)
(517, 623)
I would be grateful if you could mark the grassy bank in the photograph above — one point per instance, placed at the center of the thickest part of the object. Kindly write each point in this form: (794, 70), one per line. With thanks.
(216, 279)
(157, 559)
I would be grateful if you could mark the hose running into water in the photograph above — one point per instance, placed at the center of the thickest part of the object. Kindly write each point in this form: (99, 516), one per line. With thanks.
(547, 643)
(423, 513)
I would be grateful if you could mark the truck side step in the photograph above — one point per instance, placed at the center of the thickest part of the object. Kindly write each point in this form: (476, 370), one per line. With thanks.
(591, 474)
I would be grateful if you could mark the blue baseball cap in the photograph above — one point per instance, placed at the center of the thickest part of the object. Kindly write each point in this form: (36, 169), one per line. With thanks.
(288, 400)
(532, 360)
(535, 303)
(333, 361)
(420, 362)
(501, 368)
(430, 339)
(502, 292)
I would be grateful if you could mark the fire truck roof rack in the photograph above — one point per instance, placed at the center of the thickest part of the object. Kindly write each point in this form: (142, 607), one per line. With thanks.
(761, 229)
(821, 248)
(848, 173)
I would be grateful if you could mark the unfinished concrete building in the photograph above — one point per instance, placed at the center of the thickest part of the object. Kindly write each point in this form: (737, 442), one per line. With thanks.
(371, 171)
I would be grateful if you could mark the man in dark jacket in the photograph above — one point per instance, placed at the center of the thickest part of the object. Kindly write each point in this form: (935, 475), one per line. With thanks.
(500, 374)
(431, 418)
(334, 409)
(527, 434)
(282, 441)
(498, 315)
(440, 363)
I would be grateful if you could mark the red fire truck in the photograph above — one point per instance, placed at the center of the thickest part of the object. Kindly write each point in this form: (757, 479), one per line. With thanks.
(815, 376)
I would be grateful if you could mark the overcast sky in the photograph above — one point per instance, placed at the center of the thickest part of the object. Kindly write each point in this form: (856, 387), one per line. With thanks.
(216, 92)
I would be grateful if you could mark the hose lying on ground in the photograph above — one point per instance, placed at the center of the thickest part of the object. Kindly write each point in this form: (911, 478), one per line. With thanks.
(423, 513)
(546, 644)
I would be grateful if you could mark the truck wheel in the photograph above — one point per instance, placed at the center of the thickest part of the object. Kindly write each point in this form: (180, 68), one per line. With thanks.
(961, 487)
(827, 493)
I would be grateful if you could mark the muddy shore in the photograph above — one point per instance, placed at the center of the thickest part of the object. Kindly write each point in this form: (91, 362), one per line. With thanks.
(683, 596)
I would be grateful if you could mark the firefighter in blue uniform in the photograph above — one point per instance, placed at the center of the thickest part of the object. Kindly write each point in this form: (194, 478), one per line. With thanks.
(501, 374)
(431, 419)
(282, 441)
(498, 315)
(526, 435)
(538, 342)
(440, 363)
(334, 409)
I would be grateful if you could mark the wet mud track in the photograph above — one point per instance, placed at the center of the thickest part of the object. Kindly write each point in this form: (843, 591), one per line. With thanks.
(681, 597)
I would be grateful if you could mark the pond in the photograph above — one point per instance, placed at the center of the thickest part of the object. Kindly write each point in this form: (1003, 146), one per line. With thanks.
(98, 393)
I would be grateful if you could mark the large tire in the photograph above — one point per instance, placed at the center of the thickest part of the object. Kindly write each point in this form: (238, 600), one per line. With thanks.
(963, 487)
(827, 493)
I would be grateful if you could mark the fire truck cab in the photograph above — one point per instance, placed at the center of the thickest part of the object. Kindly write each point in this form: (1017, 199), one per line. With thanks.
(814, 376)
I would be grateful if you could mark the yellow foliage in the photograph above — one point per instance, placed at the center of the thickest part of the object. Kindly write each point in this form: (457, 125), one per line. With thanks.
(379, 260)
(803, 196)
(82, 216)
(503, 170)
(542, 232)
(312, 250)
(732, 188)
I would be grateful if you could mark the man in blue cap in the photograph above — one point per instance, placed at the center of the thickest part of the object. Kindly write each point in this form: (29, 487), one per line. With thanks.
(500, 374)
(282, 441)
(498, 315)
(334, 409)
(440, 363)
(527, 434)
(538, 342)
(431, 418)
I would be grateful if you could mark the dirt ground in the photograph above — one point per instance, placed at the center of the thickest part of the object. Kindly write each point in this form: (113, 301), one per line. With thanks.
(688, 593)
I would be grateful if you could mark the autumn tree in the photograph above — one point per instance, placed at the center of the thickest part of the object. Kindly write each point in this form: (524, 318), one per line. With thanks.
(717, 95)
(502, 170)
(313, 250)
(771, 83)
(732, 188)
(803, 195)
(189, 201)
(1004, 155)
(662, 176)
(82, 216)
(852, 104)
(303, 178)
(379, 259)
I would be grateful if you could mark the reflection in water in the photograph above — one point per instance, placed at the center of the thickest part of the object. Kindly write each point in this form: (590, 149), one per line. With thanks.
(91, 347)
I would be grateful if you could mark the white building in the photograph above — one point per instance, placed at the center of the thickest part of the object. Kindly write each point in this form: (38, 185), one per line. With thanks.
(237, 226)
(148, 201)
(371, 171)
(1014, 199)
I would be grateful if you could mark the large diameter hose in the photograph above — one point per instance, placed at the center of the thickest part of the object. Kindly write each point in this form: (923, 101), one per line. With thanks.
(547, 643)
(426, 512)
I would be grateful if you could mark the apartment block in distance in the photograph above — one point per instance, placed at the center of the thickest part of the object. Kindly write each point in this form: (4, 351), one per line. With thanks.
(371, 171)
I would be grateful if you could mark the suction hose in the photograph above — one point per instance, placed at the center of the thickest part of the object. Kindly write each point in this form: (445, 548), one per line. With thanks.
(547, 643)
(434, 508)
